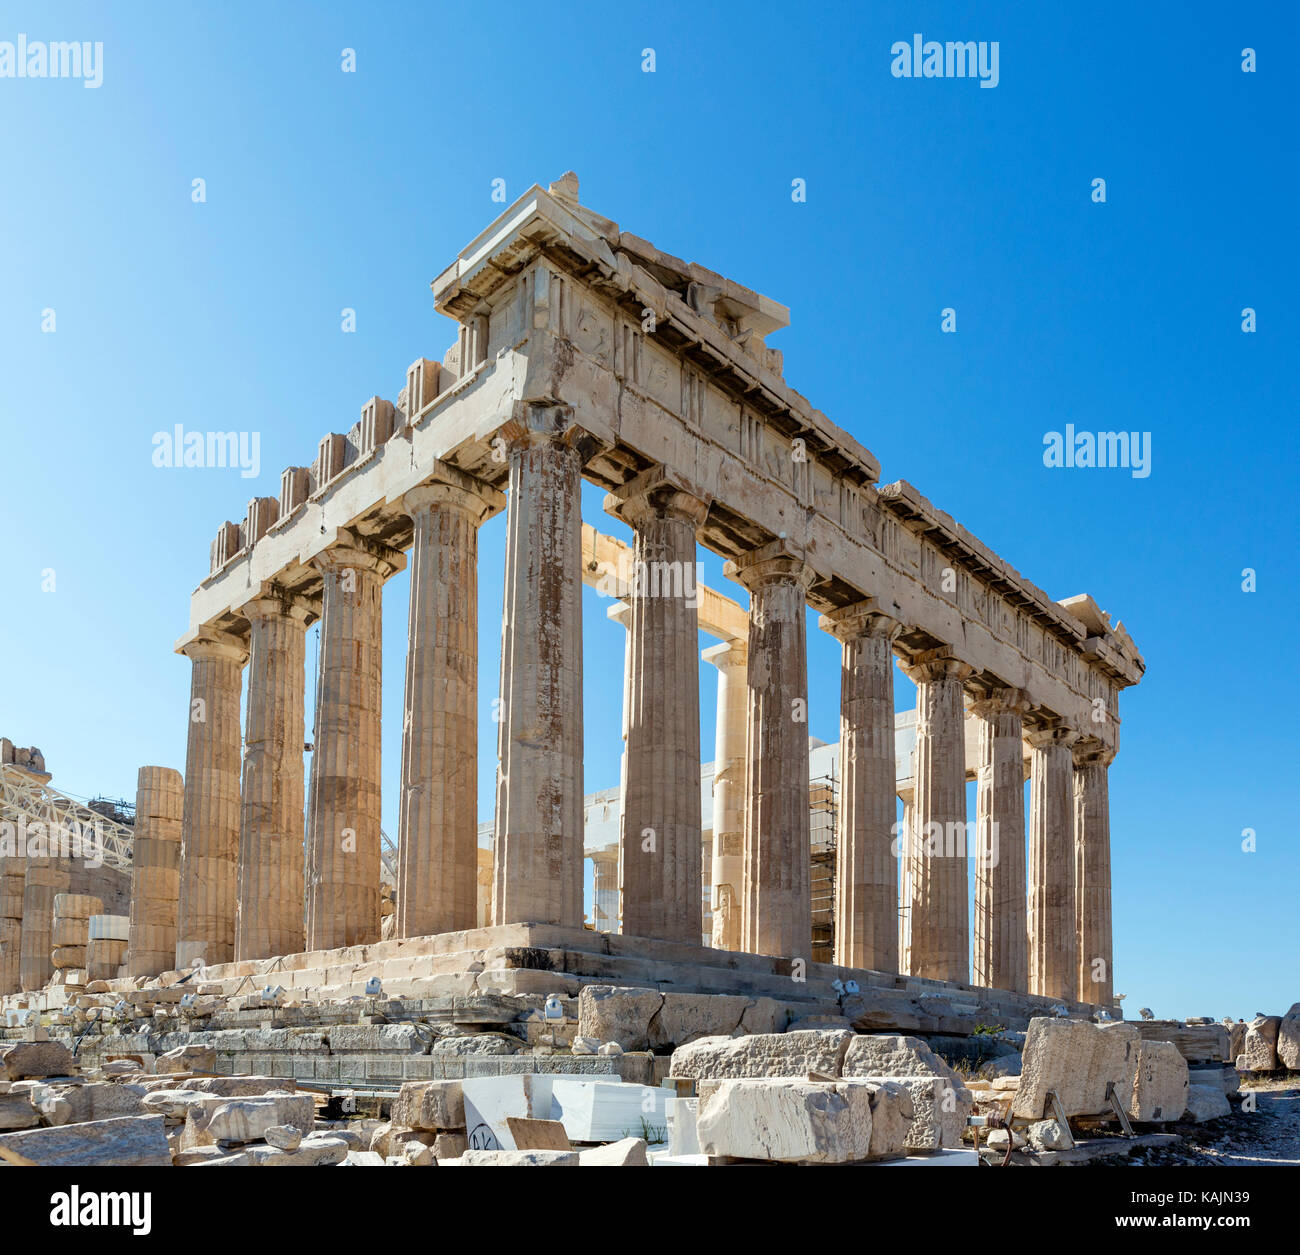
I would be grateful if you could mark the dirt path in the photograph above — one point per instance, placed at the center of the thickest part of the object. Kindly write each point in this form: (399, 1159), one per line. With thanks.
(1268, 1135)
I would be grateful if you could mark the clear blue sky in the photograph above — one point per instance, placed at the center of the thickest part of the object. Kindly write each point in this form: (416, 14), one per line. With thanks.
(328, 190)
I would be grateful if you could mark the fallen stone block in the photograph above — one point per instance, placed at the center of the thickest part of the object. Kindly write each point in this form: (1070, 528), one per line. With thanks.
(237, 1086)
(283, 1136)
(1206, 1102)
(684, 1018)
(247, 1119)
(1288, 1040)
(763, 1055)
(1204, 1042)
(514, 1159)
(26, 1059)
(1160, 1083)
(1261, 1043)
(786, 1120)
(628, 1153)
(430, 1105)
(891, 1055)
(1078, 1060)
(892, 1116)
(128, 1141)
(617, 1013)
(315, 1150)
(17, 1112)
(939, 1110)
(187, 1059)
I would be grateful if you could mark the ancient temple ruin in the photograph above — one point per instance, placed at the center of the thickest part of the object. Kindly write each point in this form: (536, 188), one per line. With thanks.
(584, 352)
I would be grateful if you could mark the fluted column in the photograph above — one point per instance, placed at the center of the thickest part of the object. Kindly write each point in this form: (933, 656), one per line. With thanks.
(621, 613)
(205, 912)
(605, 890)
(269, 916)
(731, 658)
(906, 857)
(343, 826)
(1092, 761)
(437, 878)
(46, 877)
(866, 873)
(1053, 946)
(660, 824)
(13, 876)
(777, 911)
(940, 915)
(1001, 938)
(155, 871)
(539, 819)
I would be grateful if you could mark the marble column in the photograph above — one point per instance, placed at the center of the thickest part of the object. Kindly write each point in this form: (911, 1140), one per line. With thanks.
(605, 897)
(538, 853)
(343, 826)
(660, 834)
(1053, 946)
(437, 878)
(621, 613)
(155, 871)
(205, 910)
(940, 915)
(1092, 759)
(866, 872)
(731, 658)
(13, 878)
(776, 908)
(269, 915)
(906, 857)
(1001, 938)
(46, 877)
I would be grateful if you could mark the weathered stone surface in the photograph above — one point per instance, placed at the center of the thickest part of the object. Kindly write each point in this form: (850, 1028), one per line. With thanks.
(1208, 1042)
(35, 1059)
(128, 1141)
(315, 1150)
(939, 1110)
(630, 1153)
(430, 1105)
(237, 1086)
(17, 1112)
(764, 1054)
(515, 1159)
(892, 1114)
(247, 1119)
(1236, 1039)
(97, 1100)
(449, 1145)
(786, 1120)
(684, 1018)
(1206, 1102)
(1261, 1043)
(1160, 1086)
(1077, 1059)
(1288, 1040)
(283, 1136)
(888, 1055)
(1047, 1135)
(616, 1013)
(187, 1059)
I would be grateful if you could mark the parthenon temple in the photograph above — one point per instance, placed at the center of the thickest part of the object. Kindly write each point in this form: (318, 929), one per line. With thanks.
(583, 352)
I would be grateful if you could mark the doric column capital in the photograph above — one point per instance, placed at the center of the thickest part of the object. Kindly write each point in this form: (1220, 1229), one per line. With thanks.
(658, 493)
(1001, 701)
(1052, 734)
(862, 618)
(451, 488)
(727, 655)
(353, 552)
(1089, 751)
(275, 603)
(212, 645)
(778, 561)
(621, 613)
(934, 665)
(531, 424)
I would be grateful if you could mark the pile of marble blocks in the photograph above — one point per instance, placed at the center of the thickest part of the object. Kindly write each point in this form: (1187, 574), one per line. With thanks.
(816, 1096)
(54, 1113)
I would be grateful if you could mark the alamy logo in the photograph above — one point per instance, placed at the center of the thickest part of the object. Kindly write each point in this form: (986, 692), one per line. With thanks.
(928, 58)
(1103, 449)
(125, 1210)
(221, 449)
(63, 59)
